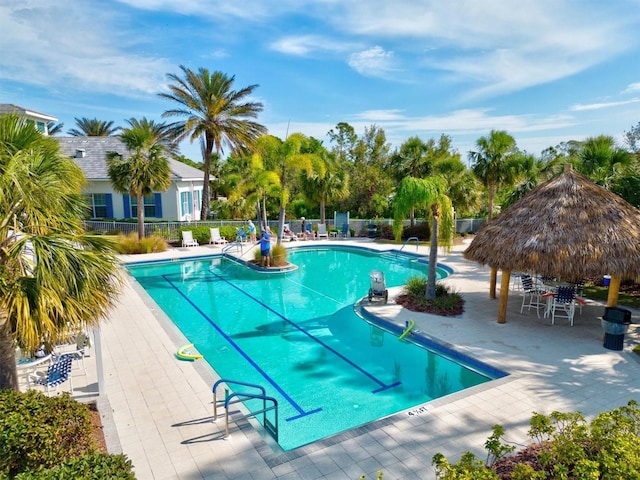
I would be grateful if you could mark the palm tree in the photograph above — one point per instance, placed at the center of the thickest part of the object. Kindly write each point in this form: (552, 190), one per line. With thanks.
(53, 276)
(215, 114)
(92, 127)
(54, 128)
(330, 187)
(430, 194)
(146, 169)
(493, 163)
(288, 159)
(602, 160)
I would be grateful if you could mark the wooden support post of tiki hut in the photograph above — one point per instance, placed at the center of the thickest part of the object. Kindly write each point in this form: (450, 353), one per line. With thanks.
(614, 290)
(493, 281)
(504, 296)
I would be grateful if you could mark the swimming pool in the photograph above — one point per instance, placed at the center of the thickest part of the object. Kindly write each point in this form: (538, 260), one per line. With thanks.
(296, 335)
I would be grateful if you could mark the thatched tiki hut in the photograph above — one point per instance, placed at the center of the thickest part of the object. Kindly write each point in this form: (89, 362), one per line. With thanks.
(568, 227)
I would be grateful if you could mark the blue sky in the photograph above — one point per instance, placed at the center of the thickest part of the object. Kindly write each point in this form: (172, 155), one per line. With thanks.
(546, 71)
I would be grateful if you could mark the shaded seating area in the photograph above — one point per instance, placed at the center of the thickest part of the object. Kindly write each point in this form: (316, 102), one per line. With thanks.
(567, 227)
(188, 240)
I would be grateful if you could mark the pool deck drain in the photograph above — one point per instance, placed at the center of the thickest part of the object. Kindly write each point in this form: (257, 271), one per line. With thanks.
(162, 408)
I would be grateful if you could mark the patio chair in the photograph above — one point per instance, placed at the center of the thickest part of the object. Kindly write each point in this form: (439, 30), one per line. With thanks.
(564, 304)
(322, 230)
(532, 293)
(241, 235)
(57, 373)
(78, 349)
(216, 238)
(344, 232)
(188, 240)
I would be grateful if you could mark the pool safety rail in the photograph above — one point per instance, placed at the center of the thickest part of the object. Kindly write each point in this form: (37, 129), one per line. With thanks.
(410, 239)
(236, 245)
(259, 393)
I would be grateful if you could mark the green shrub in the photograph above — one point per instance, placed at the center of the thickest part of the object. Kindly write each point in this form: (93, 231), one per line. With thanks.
(130, 244)
(420, 230)
(416, 286)
(41, 432)
(94, 466)
(278, 256)
(565, 446)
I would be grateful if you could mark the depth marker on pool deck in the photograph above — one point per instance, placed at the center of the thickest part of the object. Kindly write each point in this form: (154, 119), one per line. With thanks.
(292, 402)
(383, 386)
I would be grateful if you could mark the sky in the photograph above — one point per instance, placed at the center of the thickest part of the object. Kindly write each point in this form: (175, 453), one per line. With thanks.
(546, 71)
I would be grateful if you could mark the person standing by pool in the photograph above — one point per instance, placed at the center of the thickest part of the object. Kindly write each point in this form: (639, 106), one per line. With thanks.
(303, 233)
(265, 248)
(252, 230)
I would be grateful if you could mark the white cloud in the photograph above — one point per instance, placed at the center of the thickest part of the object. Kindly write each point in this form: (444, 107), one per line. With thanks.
(601, 105)
(373, 62)
(306, 44)
(65, 47)
(632, 87)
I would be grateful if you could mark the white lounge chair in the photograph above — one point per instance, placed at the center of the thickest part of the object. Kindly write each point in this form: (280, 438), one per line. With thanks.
(188, 240)
(322, 230)
(216, 238)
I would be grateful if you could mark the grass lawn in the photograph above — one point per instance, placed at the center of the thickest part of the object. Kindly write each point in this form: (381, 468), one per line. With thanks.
(601, 293)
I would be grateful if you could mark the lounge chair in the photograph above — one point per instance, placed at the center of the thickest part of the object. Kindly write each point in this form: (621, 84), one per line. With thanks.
(287, 234)
(188, 240)
(322, 230)
(216, 239)
(345, 231)
(57, 373)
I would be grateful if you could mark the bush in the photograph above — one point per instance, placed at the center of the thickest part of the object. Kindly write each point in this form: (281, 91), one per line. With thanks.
(41, 432)
(564, 446)
(278, 256)
(130, 244)
(94, 466)
(414, 298)
(420, 230)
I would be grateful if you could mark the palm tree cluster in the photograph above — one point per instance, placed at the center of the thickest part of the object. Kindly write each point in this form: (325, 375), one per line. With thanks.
(53, 276)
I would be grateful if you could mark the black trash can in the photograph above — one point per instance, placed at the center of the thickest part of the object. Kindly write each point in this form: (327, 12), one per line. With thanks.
(615, 323)
(373, 231)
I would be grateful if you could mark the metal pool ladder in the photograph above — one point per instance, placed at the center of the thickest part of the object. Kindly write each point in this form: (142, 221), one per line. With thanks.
(241, 397)
(408, 240)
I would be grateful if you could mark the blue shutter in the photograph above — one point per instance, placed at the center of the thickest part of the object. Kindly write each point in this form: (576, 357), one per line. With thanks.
(190, 203)
(158, 205)
(109, 202)
(127, 206)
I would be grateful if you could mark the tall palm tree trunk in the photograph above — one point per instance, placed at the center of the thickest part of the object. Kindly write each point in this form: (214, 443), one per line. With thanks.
(322, 212)
(433, 255)
(140, 200)
(9, 372)
(281, 224)
(208, 151)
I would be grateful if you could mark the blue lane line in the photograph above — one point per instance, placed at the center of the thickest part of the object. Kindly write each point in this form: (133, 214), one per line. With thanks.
(300, 410)
(383, 386)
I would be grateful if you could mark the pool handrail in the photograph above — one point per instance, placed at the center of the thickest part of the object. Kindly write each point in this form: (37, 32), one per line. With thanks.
(409, 240)
(241, 398)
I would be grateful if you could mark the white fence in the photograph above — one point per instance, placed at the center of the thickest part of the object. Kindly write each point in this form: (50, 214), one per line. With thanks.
(171, 230)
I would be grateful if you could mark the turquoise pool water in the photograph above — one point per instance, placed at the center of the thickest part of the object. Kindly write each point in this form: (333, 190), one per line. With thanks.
(296, 335)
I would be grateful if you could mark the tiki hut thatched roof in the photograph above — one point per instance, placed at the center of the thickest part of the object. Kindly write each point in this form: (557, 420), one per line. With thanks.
(567, 227)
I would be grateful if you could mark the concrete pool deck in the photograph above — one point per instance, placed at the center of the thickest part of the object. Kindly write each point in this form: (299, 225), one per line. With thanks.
(161, 407)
